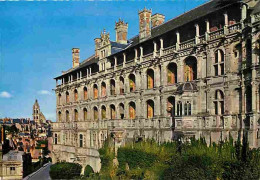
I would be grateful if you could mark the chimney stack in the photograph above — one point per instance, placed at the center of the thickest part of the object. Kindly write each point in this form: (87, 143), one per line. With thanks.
(121, 32)
(144, 24)
(157, 19)
(75, 57)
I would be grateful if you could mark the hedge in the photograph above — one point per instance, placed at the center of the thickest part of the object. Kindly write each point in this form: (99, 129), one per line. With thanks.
(65, 170)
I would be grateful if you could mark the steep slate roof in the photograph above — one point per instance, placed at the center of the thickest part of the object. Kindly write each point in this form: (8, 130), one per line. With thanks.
(172, 24)
(91, 60)
(187, 17)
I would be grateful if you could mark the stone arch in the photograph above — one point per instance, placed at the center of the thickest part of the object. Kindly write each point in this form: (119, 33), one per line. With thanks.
(85, 114)
(67, 116)
(103, 112)
(171, 106)
(190, 68)
(171, 73)
(103, 89)
(95, 91)
(59, 116)
(132, 110)
(67, 97)
(132, 84)
(95, 113)
(59, 99)
(85, 93)
(121, 108)
(112, 87)
(121, 85)
(150, 78)
(150, 108)
(112, 111)
(75, 95)
(76, 115)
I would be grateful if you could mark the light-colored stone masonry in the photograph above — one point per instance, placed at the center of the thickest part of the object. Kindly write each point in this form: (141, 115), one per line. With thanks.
(216, 93)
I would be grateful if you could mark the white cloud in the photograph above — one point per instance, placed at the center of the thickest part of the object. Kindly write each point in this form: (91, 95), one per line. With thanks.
(44, 92)
(5, 94)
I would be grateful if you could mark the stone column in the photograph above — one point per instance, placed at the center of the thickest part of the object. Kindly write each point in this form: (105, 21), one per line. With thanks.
(124, 56)
(207, 30)
(161, 49)
(136, 54)
(154, 49)
(197, 39)
(141, 53)
(226, 23)
(178, 41)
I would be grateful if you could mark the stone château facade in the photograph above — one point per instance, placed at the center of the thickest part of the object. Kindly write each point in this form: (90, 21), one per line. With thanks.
(196, 75)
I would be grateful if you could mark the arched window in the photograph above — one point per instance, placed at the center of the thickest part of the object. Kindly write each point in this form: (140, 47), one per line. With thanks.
(112, 87)
(85, 93)
(103, 112)
(132, 82)
(171, 106)
(150, 109)
(122, 110)
(55, 138)
(179, 108)
(132, 110)
(190, 71)
(59, 99)
(248, 98)
(219, 102)
(95, 91)
(150, 79)
(75, 95)
(67, 116)
(80, 140)
(103, 89)
(121, 85)
(95, 112)
(59, 116)
(219, 62)
(67, 97)
(85, 111)
(76, 116)
(172, 73)
(112, 111)
(187, 108)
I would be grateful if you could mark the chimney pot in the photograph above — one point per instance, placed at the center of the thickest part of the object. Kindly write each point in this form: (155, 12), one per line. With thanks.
(157, 19)
(144, 24)
(121, 31)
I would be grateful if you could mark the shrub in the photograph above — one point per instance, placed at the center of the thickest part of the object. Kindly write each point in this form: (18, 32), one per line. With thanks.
(88, 171)
(65, 170)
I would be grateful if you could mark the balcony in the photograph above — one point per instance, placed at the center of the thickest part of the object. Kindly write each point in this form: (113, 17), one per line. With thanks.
(187, 44)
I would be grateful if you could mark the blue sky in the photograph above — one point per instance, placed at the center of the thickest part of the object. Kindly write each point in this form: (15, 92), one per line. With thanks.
(36, 40)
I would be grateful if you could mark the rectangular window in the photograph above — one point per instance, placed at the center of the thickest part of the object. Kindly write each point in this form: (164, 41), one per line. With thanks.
(12, 170)
(216, 69)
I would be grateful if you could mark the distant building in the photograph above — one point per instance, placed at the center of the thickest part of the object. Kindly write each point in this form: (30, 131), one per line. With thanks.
(12, 165)
(38, 116)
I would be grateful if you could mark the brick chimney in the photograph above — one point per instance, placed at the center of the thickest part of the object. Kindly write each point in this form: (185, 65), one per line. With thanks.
(144, 24)
(157, 19)
(121, 32)
(75, 57)
(97, 46)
